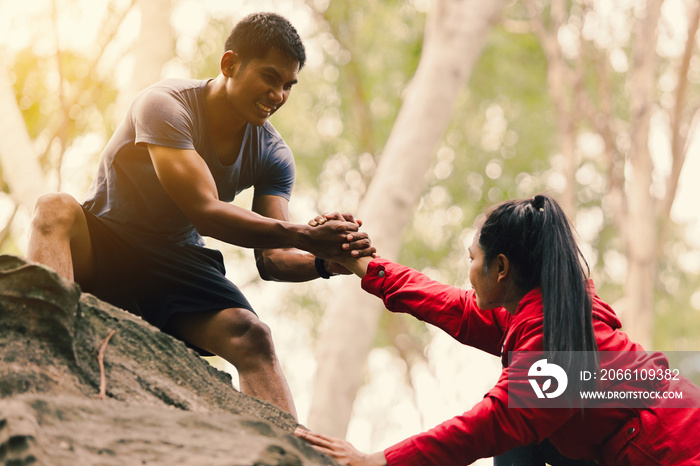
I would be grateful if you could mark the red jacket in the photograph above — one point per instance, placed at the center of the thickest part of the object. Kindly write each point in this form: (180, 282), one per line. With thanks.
(612, 436)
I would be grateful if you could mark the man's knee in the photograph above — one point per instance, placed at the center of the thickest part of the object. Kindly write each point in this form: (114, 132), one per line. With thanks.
(55, 212)
(249, 337)
(253, 335)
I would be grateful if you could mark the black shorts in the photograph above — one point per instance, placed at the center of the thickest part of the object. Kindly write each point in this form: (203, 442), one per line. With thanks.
(156, 279)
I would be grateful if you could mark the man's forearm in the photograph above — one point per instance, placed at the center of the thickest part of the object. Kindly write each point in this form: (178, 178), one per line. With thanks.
(286, 265)
(248, 229)
(232, 224)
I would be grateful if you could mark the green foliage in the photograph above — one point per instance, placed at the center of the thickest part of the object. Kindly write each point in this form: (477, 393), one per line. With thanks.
(496, 148)
(346, 106)
(31, 90)
(41, 103)
(676, 312)
(206, 61)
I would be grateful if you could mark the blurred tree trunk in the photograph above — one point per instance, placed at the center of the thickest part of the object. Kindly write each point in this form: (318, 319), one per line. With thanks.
(154, 47)
(455, 35)
(563, 82)
(21, 170)
(642, 231)
(649, 216)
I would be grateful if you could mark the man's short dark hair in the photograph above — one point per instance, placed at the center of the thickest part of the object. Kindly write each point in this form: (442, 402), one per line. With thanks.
(256, 34)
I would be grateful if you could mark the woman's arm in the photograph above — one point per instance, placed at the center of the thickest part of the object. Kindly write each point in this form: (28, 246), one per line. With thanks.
(357, 265)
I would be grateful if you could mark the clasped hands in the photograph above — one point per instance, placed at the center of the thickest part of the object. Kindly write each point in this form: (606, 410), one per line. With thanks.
(354, 244)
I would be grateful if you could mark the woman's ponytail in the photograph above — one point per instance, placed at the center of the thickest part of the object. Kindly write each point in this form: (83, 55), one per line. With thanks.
(536, 237)
(566, 300)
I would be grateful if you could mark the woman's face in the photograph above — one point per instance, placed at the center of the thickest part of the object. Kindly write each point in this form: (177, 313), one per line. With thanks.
(487, 286)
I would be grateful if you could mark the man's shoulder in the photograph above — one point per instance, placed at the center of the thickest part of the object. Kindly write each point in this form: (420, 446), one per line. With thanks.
(169, 113)
(176, 85)
(169, 97)
(170, 89)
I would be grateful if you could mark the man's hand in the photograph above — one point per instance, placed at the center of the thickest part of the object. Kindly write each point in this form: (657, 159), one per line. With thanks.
(356, 244)
(323, 218)
(342, 451)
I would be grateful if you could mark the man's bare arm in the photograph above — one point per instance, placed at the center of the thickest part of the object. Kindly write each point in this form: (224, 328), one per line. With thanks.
(187, 180)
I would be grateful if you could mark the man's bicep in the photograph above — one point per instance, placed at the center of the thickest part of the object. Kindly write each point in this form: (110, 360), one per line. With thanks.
(184, 176)
(272, 206)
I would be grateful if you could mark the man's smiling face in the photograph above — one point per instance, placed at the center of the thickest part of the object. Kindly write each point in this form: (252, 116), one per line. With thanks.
(260, 86)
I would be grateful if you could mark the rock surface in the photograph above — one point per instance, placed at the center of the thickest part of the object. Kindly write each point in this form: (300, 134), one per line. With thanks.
(164, 405)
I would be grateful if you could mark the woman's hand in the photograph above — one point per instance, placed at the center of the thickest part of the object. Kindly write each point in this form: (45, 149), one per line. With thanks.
(342, 451)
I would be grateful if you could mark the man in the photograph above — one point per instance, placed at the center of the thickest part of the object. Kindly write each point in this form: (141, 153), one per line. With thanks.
(167, 175)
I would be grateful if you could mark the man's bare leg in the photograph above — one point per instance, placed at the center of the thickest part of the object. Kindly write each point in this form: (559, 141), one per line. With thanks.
(59, 237)
(238, 336)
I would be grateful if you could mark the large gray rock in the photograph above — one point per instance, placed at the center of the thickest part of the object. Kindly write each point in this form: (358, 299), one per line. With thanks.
(164, 405)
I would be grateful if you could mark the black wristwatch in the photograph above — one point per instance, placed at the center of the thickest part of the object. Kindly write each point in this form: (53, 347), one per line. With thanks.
(321, 268)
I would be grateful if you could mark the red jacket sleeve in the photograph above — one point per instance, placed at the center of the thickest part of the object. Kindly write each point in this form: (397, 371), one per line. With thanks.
(489, 428)
(452, 309)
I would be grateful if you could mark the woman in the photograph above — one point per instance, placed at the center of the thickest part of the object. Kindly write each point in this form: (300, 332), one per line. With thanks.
(531, 294)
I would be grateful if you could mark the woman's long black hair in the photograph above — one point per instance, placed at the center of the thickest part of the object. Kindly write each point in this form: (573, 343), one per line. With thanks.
(536, 237)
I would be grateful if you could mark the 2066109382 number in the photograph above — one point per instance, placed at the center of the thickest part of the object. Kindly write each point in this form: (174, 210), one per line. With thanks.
(639, 374)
